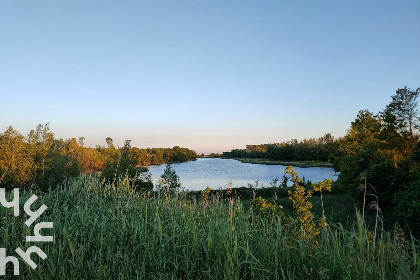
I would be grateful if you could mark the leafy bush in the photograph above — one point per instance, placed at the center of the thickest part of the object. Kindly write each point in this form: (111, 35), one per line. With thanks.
(408, 207)
(143, 180)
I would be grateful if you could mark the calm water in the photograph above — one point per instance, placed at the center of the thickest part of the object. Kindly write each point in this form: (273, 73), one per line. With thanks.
(216, 173)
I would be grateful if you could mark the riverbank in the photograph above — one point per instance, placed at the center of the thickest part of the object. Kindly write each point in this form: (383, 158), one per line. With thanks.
(285, 163)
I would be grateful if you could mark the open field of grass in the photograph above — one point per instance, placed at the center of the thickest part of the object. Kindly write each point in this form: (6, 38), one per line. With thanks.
(285, 163)
(115, 233)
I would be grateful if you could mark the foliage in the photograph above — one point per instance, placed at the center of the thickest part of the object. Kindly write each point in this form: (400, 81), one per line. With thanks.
(323, 186)
(402, 111)
(62, 162)
(266, 208)
(206, 196)
(143, 182)
(16, 162)
(45, 162)
(320, 187)
(119, 163)
(40, 142)
(155, 156)
(408, 207)
(381, 148)
(320, 149)
(300, 198)
(169, 182)
(111, 232)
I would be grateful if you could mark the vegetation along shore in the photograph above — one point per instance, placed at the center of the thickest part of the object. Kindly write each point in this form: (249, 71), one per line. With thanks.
(309, 163)
(111, 221)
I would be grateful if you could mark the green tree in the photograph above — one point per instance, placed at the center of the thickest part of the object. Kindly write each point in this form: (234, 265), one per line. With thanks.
(143, 180)
(361, 156)
(408, 207)
(40, 141)
(111, 161)
(64, 161)
(119, 163)
(380, 148)
(16, 163)
(404, 109)
(179, 154)
(400, 123)
(157, 157)
(169, 181)
(127, 162)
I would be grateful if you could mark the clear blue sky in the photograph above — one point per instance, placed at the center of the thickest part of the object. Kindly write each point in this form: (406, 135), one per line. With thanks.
(209, 75)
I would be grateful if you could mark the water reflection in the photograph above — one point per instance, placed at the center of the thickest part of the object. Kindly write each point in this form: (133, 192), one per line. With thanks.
(216, 173)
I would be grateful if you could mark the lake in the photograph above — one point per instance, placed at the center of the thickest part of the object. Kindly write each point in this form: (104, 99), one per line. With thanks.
(216, 173)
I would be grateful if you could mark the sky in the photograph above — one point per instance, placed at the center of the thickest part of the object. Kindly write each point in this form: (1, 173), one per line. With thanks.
(207, 75)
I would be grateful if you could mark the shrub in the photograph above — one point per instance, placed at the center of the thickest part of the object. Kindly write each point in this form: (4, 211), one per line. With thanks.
(407, 209)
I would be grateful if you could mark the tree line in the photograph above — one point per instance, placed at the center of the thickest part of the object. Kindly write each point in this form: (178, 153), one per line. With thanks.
(41, 160)
(311, 149)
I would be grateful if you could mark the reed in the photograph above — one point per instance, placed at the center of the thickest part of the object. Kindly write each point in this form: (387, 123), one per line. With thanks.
(112, 232)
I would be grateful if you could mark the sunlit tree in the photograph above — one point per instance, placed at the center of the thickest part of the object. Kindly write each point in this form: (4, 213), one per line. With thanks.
(169, 181)
(40, 141)
(16, 162)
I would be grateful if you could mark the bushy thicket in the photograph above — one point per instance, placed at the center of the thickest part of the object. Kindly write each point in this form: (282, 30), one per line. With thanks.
(42, 160)
(381, 152)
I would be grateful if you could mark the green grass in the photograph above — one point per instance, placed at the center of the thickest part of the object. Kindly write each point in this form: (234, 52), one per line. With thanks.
(115, 233)
(339, 208)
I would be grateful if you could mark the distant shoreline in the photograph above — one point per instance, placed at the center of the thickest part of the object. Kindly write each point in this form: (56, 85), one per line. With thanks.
(265, 161)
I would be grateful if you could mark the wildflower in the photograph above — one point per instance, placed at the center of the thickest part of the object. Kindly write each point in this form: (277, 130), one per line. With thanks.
(299, 197)
(205, 195)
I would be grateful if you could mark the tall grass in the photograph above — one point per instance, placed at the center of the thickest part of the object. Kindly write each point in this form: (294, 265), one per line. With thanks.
(115, 233)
